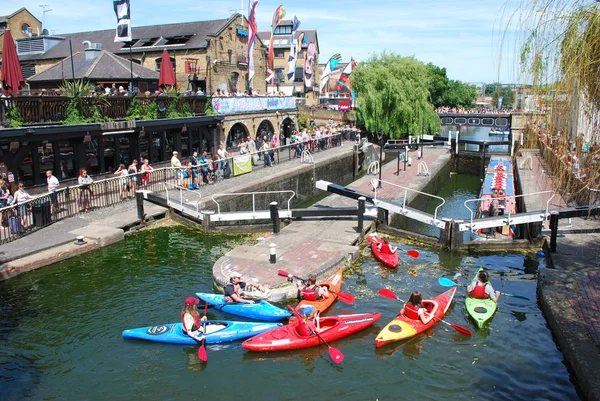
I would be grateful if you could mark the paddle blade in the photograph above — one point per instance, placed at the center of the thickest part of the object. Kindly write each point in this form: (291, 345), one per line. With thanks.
(413, 252)
(282, 273)
(446, 282)
(202, 355)
(336, 355)
(461, 330)
(344, 296)
(384, 292)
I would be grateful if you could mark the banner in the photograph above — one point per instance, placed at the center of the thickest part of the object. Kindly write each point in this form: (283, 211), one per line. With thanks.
(252, 29)
(329, 67)
(310, 54)
(225, 105)
(242, 165)
(345, 76)
(122, 11)
(293, 51)
(277, 17)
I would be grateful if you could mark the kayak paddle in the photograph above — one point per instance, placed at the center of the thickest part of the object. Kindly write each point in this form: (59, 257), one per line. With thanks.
(446, 282)
(344, 296)
(336, 355)
(384, 292)
(411, 252)
(202, 354)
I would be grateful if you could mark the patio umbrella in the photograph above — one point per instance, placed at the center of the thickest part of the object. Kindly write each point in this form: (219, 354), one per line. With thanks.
(11, 77)
(167, 75)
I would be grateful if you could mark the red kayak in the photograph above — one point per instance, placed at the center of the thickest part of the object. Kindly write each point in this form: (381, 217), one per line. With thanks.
(332, 328)
(388, 259)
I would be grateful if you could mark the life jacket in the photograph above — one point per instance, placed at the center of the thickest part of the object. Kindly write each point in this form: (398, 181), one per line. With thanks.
(479, 292)
(309, 294)
(196, 325)
(411, 312)
(236, 289)
(385, 248)
(305, 329)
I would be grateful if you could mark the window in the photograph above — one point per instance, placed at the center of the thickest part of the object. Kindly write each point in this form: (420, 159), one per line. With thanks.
(278, 53)
(299, 54)
(281, 30)
(280, 75)
(145, 42)
(178, 40)
(25, 28)
(159, 61)
(28, 70)
(191, 66)
(299, 77)
(233, 81)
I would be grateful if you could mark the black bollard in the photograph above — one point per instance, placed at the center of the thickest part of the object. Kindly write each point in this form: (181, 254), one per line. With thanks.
(275, 218)
(361, 215)
(272, 253)
(553, 230)
(139, 199)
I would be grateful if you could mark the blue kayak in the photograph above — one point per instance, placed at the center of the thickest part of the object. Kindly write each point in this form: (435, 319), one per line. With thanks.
(218, 331)
(260, 311)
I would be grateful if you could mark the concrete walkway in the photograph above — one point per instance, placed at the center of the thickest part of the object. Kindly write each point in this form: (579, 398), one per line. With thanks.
(569, 289)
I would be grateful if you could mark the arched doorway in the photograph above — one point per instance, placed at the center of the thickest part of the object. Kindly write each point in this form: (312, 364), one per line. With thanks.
(235, 135)
(287, 126)
(265, 128)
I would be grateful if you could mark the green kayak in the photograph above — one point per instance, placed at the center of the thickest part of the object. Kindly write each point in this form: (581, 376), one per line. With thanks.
(481, 310)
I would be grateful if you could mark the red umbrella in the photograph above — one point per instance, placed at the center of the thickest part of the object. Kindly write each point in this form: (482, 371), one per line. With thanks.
(167, 75)
(11, 77)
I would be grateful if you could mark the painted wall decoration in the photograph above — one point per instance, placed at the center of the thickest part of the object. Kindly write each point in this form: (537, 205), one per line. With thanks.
(226, 105)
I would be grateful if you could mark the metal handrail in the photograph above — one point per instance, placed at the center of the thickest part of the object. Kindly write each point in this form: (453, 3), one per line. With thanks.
(528, 158)
(376, 182)
(181, 191)
(512, 197)
(373, 167)
(422, 168)
(307, 157)
(253, 198)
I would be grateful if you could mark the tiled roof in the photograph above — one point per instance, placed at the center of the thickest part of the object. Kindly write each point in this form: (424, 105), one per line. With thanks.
(105, 66)
(200, 30)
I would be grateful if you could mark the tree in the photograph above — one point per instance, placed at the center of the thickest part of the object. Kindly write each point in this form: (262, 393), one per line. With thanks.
(508, 96)
(392, 95)
(446, 92)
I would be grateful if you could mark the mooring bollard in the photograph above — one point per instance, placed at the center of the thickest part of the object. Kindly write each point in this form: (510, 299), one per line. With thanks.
(275, 218)
(273, 253)
(139, 199)
(80, 240)
(553, 230)
(361, 215)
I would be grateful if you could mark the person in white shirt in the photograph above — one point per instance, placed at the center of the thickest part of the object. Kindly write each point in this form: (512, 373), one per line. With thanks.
(53, 185)
(176, 165)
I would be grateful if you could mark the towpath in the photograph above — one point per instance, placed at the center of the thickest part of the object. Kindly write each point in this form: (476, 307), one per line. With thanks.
(569, 289)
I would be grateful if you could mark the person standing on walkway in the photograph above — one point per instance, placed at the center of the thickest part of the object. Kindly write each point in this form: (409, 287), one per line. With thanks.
(194, 169)
(20, 197)
(266, 155)
(132, 171)
(122, 172)
(251, 145)
(85, 194)
(146, 169)
(53, 185)
(176, 165)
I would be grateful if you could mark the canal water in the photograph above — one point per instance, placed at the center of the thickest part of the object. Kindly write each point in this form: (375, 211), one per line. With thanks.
(60, 332)
(475, 133)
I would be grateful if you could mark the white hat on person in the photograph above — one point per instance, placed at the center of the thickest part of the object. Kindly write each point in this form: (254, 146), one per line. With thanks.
(235, 274)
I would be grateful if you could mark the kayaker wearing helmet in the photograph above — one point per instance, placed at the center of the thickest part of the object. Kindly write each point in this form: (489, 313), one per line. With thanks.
(190, 319)
(414, 309)
(385, 247)
(234, 290)
(312, 291)
(482, 288)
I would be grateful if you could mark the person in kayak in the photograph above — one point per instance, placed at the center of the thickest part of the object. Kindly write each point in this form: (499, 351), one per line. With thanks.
(385, 247)
(414, 309)
(190, 319)
(482, 288)
(309, 324)
(312, 291)
(234, 290)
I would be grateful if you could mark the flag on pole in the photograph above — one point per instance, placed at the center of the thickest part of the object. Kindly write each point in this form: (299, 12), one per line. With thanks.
(270, 74)
(277, 17)
(122, 12)
(252, 29)
(293, 51)
(310, 54)
(329, 67)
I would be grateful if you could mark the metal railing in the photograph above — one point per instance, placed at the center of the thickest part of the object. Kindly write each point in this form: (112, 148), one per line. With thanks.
(182, 191)
(513, 200)
(254, 194)
(375, 182)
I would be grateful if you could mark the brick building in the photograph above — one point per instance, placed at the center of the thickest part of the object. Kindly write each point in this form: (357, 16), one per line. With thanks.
(281, 46)
(21, 23)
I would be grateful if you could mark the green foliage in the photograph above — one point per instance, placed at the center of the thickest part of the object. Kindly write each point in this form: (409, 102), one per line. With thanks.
(392, 94)
(208, 109)
(75, 88)
(14, 118)
(178, 109)
(142, 111)
(75, 113)
(303, 121)
(83, 107)
(446, 92)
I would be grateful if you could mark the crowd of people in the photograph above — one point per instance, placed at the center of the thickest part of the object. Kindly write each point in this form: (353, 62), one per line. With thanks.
(474, 110)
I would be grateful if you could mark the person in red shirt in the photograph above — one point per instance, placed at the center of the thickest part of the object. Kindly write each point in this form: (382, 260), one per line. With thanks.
(414, 309)
(385, 247)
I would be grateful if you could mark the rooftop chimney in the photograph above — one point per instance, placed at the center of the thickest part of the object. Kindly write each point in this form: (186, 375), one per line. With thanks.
(93, 50)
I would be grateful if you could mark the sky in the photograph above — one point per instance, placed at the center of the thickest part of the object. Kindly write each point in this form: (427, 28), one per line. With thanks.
(467, 37)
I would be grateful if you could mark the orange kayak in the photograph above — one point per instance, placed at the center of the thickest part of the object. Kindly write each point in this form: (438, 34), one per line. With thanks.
(333, 284)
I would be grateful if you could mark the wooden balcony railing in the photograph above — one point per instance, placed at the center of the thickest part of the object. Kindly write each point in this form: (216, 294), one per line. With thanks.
(37, 110)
